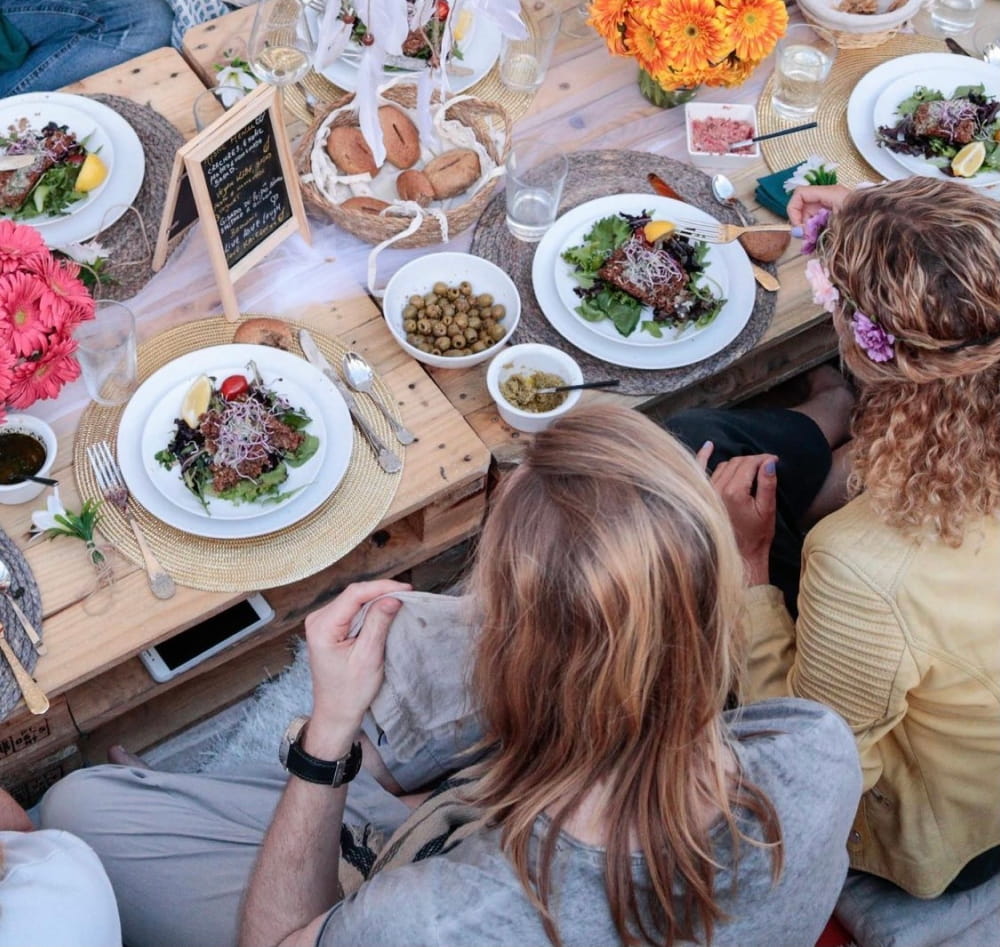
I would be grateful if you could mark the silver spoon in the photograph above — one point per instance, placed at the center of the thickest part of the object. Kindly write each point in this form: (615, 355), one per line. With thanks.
(359, 375)
(29, 629)
(724, 192)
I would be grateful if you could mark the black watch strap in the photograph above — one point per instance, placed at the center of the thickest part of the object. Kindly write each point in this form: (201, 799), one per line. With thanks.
(312, 769)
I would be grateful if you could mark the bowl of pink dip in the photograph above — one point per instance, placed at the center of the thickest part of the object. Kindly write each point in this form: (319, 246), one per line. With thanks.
(713, 126)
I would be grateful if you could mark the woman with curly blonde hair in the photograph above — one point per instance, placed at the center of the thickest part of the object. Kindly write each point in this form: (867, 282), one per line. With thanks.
(899, 598)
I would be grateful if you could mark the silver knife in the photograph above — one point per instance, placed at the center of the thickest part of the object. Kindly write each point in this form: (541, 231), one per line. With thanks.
(388, 460)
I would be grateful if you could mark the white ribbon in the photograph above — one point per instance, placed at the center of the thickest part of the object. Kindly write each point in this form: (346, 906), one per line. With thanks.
(403, 209)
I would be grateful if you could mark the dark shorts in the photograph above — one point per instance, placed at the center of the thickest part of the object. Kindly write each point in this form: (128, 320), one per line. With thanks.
(804, 459)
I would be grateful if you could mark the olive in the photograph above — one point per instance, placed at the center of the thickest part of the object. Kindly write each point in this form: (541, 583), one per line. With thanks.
(439, 329)
(498, 311)
(462, 320)
(440, 288)
(417, 301)
(497, 333)
(410, 312)
(458, 342)
(479, 346)
(484, 299)
(448, 309)
(424, 326)
(452, 293)
(442, 344)
(410, 325)
(462, 304)
(434, 311)
(465, 288)
(474, 321)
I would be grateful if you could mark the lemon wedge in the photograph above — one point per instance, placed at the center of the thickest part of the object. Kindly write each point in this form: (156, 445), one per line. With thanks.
(969, 160)
(462, 24)
(93, 171)
(657, 229)
(196, 400)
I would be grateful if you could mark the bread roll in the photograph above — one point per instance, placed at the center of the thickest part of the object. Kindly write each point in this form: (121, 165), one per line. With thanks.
(367, 205)
(349, 151)
(402, 141)
(415, 186)
(453, 172)
(766, 246)
(273, 332)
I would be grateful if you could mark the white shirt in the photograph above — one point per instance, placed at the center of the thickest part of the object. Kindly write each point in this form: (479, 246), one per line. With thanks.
(54, 893)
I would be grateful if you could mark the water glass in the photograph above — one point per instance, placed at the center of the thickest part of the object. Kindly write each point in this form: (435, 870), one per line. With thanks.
(947, 17)
(281, 47)
(211, 103)
(524, 62)
(536, 173)
(804, 58)
(106, 353)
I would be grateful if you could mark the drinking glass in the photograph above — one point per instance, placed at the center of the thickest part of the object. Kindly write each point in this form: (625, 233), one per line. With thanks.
(805, 56)
(281, 46)
(946, 17)
(574, 22)
(106, 353)
(536, 173)
(524, 62)
(211, 103)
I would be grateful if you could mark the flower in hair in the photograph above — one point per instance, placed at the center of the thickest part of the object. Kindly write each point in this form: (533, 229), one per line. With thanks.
(813, 229)
(825, 294)
(872, 338)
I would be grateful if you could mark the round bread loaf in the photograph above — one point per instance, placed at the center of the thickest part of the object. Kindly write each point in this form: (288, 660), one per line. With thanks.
(766, 246)
(273, 332)
(401, 138)
(453, 172)
(367, 205)
(415, 186)
(349, 151)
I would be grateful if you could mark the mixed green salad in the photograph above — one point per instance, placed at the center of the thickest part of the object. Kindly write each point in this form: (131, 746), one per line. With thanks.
(236, 441)
(638, 273)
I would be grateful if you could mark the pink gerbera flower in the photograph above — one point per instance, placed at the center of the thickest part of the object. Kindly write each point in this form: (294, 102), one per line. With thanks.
(6, 377)
(42, 378)
(21, 307)
(21, 247)
(66, 298)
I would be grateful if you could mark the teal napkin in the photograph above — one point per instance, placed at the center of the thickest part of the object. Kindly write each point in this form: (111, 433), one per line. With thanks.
(771, 193)
(13, 45)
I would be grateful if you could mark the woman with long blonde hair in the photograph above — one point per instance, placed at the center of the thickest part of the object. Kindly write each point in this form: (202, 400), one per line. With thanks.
(899, 596)
(618, 801)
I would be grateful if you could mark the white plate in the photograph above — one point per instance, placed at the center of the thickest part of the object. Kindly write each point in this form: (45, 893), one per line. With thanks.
(724, 329)
(115, 140)
(946, 80)
(480, 49)
(566, 283)
(147, 423)
(861, 105)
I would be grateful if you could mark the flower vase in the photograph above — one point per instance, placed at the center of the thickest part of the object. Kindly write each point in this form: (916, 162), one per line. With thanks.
(664, 98)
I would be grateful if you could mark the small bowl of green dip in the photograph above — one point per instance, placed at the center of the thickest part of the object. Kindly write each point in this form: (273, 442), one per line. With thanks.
(27, 448)
(517, 373)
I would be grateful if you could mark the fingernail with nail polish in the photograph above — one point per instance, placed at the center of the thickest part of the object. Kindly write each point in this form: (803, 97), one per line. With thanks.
(770, 467)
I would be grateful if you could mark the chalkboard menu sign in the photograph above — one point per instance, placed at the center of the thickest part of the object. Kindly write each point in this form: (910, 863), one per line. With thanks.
(245, 188)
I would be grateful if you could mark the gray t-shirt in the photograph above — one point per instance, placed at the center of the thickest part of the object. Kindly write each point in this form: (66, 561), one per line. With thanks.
(808, 767)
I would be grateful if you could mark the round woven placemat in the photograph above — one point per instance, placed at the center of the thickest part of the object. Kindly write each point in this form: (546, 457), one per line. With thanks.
(831, 138)
(129, 241)
(594, 174)
(316, 91)
(235, 565)
(24, 588)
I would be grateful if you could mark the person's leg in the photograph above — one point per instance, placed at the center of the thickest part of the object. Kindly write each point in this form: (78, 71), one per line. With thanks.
(179, 847)
(72, 39)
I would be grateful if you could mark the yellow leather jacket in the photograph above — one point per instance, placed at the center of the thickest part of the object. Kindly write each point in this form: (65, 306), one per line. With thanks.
(902, 638)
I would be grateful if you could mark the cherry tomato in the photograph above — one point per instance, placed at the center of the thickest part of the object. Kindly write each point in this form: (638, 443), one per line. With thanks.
(442, 10)
(76, 158)
(233, 387)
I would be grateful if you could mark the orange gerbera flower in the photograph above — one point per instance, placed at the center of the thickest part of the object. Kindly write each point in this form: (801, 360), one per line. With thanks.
(608, 18)
(755, 25)
(731, 72)
(644, 43)
(693, 31)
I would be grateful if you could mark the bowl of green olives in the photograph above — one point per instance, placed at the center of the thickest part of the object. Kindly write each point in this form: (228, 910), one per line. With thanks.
(451, 310)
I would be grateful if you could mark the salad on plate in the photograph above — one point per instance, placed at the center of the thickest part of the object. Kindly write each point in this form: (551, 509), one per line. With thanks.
(956, 133)
(638, 273)
(63, 172)
(235, 440)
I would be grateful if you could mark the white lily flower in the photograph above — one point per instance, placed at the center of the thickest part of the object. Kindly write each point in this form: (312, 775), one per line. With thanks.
(236, 83)
(89, 252)
(42, 520)
(801, 177)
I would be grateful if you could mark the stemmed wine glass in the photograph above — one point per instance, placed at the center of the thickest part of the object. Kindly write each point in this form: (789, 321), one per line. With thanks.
(281, 47)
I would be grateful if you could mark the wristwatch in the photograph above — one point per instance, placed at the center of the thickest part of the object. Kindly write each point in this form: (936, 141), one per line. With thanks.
(299, 763)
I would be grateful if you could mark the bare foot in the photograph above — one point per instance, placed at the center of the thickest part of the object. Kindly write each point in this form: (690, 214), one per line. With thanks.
(830, 402)
(121, 756)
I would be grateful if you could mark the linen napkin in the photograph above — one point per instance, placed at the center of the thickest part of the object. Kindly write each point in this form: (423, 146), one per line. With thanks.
(771, 193)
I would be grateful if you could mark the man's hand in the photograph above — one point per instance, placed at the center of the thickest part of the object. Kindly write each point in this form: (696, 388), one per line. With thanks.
(807, 201)
(347, 672)
(751, 510)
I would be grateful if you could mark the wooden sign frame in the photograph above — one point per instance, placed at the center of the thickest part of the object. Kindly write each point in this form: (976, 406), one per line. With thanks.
(256, 118)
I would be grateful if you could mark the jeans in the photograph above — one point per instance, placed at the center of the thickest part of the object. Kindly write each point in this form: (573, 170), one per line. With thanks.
(72, 39)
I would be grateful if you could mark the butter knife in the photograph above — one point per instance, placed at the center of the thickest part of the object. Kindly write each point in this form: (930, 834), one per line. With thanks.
(388, 460)
(34, 696)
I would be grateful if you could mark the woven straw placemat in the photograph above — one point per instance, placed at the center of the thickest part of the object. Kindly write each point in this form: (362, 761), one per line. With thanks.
(830, 138)
(594, 174)
(24, 589)
(235, 565)
(129, 241)
(316, 91)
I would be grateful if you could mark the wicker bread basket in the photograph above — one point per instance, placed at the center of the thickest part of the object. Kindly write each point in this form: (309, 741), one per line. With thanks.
(489, 123)
(860, 30)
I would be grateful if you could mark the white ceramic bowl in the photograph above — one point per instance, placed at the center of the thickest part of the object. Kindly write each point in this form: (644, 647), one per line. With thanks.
(26, 424)
(824, 13)
(419, 276)
(524, 359)
(699, 111)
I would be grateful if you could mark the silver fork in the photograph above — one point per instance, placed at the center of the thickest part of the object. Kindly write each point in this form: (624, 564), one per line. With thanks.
(718, 232)
(114, 488)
